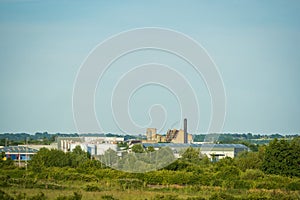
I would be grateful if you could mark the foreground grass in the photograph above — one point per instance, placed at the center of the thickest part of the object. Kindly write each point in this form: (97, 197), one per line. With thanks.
(170, 192)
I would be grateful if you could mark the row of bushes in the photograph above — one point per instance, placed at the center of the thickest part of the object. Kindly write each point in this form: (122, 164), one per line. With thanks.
(226, 177)
(214, 196)
(39, 196)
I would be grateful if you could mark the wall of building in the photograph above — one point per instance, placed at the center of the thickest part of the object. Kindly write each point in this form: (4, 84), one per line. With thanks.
(21, 156)
(94, 149)
(150, 133)
(219, 153)
(179, 138)
(69, 143)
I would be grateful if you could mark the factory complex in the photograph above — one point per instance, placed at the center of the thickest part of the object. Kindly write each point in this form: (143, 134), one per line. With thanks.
(176, 140)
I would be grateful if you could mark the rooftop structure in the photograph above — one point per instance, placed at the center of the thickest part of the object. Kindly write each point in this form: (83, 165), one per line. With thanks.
(18, 152)
(38, 146)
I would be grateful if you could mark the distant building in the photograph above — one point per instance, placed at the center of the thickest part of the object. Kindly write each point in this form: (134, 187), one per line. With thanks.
(20, 153)
(151, 133)
(153, 137)
(93, 145)
(178, 136)
(218, 151)
(100, 149)
(64, 143)
(38, 147)
(172, 136)
(212, 151)
(133, 142)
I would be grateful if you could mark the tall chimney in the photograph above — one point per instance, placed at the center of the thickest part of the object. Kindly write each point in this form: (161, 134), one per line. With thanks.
(185, 131)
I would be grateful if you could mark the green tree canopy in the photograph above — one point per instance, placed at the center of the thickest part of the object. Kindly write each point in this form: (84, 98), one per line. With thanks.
(248, 160)
(282, 157)
(191, 155)
(138, 148)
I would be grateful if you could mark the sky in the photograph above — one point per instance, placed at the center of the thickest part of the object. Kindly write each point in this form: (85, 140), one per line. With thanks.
(254, 44)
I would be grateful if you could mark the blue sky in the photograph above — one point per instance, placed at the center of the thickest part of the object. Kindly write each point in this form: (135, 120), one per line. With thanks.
(255, 44)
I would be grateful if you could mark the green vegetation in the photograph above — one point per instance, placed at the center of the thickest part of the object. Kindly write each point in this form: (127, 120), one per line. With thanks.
(282, 157)
(270, 173)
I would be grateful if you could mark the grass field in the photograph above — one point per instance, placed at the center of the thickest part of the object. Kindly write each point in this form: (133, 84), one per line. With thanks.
(151, 192)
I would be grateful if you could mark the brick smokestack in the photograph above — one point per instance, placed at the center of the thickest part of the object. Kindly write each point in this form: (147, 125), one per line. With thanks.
(185, 131)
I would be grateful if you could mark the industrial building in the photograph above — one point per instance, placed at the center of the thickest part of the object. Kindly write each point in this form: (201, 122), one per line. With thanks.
(93, 145)
(153, 137)
(177, 140)
(178, 136)
(38, 146)
(172, 136)
(212, 151)
(18, 153)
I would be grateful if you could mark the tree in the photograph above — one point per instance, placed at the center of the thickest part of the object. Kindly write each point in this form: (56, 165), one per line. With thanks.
(38, 161)
(229, 173)
(150, 149)
(110, 158)
(56, 158)
(77, 157)
(137, 148)
(191, 155)
(273, 157)
(282, 157)
(248, 160)
(294, 161)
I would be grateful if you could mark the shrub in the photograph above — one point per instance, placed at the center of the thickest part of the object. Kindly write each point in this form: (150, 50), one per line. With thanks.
(269, 185)
(7, 164)
(216, 182)
(179, 177)
(92, 188)
(131, 183)
(236, 184)
(255, 197)
(4, 181)
(40, 196)
(229, 173)
(241, 184)
(108, 197)
(166, 197)
(195, 198)
(5, 196)
(76, 196)
(283, 196)
(221, 196)
(252, 174)
(294, 185)
(272, 182)
(154, 177)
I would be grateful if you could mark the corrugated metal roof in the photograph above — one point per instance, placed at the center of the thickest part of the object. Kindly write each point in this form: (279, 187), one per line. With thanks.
(17, 149)
(174, 145)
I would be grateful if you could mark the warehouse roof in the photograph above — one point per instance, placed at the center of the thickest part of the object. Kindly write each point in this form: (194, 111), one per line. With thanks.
(173, 145)
(17, 149)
